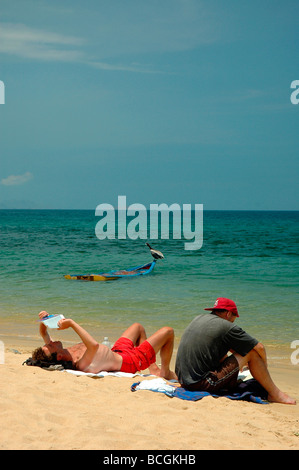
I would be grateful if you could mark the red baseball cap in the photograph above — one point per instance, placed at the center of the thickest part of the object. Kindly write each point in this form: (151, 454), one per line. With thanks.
(225, 304)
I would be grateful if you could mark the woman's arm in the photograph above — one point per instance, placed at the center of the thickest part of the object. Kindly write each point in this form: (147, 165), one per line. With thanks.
(87, 339)
(43, 331)
(91, 344)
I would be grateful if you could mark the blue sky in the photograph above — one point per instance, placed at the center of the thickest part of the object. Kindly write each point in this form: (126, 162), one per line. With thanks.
(169, 101)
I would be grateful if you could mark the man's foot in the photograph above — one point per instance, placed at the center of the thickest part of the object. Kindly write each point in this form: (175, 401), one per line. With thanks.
(281, 397)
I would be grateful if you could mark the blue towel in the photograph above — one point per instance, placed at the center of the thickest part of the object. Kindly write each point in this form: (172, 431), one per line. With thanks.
(249, 390)
(194, 396)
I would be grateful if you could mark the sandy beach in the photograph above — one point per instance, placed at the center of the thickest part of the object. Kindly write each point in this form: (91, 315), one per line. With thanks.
(43, 410)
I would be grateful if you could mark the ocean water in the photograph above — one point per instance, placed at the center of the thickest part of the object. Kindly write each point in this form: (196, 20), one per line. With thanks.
(250, 257)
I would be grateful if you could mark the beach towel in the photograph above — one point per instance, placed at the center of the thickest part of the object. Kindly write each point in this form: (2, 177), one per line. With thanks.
(65, 368)
(249, 390)
(78, 373)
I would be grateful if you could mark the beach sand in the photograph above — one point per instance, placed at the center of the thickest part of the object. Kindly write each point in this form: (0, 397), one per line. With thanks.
(55, 410)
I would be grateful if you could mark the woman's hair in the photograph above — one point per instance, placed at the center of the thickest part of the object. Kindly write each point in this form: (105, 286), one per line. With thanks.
(40, 359)
(39, 355)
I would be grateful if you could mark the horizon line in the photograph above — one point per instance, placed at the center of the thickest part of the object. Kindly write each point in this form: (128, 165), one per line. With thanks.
(205, 210)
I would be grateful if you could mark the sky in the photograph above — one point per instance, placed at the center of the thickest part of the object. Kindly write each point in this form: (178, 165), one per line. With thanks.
(169, 101)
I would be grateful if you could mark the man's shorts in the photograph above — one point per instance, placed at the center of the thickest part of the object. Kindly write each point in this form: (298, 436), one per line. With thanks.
(223, 378)
(135, 358)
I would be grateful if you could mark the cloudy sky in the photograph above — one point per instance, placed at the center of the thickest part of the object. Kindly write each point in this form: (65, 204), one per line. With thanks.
(169, 101)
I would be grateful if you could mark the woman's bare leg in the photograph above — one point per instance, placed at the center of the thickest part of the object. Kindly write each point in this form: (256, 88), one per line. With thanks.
(137, 334)
(163, 341)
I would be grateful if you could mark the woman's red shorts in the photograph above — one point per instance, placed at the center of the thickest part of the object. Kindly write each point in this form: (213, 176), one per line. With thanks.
(135, 358)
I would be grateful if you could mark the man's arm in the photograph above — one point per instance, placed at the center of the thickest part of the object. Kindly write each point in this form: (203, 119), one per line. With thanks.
(260, 349)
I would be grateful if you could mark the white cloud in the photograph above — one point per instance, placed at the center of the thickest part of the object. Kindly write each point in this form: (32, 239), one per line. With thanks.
(16, 180)
(28, 43)
(115, 35)
(25, 42)
(139, 68)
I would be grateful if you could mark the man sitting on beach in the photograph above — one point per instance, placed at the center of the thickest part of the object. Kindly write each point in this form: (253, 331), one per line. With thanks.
(132, 352)
(202, 362)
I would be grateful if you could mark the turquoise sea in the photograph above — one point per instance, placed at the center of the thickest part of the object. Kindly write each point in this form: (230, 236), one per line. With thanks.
(251, 257)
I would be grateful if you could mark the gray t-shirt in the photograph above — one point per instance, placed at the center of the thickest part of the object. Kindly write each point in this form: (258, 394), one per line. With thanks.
(205, 342)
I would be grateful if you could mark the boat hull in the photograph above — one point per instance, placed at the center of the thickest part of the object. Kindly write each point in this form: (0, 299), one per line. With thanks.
(114, 275)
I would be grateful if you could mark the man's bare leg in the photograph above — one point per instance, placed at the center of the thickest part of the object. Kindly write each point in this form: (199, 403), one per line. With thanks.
(163, 341)
(260, 372)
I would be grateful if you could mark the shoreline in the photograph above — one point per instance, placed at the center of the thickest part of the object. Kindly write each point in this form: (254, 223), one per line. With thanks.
(43, 410)
(28, 338)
